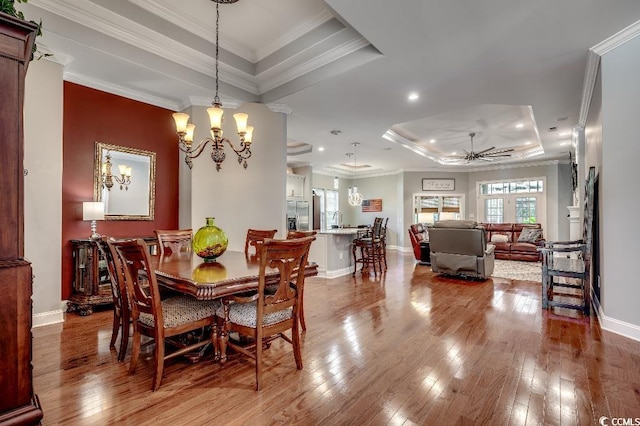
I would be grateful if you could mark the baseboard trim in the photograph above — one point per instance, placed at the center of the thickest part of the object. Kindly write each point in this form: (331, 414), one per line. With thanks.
(622, 328)
(334, 273)
(47, 318)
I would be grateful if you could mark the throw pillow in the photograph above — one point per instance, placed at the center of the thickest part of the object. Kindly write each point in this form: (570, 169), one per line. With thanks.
(530, 235)
(499, 238)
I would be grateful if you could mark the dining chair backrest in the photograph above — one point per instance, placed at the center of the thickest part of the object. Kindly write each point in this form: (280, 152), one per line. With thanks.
(300, 234)
(174, 240)
(288, 257)
(255, 237)
(121, 314)
(132, 256)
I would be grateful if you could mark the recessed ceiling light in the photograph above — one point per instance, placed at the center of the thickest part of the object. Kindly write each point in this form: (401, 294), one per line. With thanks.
(432, 141)
(321, 148)
(454, 153)
(563, 134)
(519, 126)
(413, 96)
(564, 143)
(527, 143)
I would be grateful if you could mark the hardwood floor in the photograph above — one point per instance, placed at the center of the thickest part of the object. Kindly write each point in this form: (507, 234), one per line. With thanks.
(407, 348)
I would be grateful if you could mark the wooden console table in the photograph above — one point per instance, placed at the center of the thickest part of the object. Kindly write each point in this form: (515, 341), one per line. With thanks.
(91, 286)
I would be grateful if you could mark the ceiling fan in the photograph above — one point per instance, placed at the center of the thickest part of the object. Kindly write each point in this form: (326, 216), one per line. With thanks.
(486, 154)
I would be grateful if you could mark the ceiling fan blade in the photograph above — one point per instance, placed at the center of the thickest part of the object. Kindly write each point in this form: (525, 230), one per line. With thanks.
(497, 156)
(485, 150)
(501, 151)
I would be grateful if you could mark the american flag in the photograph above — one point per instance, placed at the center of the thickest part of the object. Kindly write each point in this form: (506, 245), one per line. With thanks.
(374, 205)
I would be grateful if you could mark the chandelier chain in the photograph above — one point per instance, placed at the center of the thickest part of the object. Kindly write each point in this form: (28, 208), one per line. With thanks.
(216, 99)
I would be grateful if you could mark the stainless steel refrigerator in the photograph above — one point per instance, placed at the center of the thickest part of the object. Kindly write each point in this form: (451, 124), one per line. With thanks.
(298, 215)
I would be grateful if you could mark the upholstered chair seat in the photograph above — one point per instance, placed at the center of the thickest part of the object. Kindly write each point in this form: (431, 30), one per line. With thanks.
(245, 314)
(180, 310)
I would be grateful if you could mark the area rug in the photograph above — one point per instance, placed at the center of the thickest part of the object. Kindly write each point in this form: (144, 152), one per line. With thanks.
(517, 270)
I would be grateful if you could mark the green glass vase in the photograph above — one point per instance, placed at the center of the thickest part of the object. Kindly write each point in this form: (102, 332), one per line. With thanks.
(210, 241)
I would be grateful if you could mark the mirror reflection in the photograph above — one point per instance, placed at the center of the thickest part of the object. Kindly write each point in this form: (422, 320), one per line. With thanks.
(124, 180)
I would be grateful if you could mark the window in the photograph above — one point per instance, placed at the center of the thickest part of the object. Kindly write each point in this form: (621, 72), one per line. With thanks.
(431, 208)
(526, 210)
(517, 201)
(329, 202)
(494, 210)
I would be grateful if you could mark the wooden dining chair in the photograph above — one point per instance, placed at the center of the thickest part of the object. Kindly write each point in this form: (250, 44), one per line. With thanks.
(265, 317)
(174, 240)
(301, 234)
(121, 313)
(255, 237)
(163, 320)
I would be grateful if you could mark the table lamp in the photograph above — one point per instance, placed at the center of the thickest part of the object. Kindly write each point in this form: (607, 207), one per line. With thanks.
(92, 210)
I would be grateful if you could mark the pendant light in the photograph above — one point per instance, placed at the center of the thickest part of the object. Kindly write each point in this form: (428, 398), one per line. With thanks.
(355, 198)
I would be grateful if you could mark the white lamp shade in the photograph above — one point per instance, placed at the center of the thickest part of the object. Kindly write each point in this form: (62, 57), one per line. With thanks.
(190, 129)
(215, 116)
(241, 121)
(92, 210)
(181, 120)
(248, 137)
(123, 169)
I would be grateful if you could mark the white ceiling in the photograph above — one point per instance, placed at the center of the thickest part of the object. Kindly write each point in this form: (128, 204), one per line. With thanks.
(349, 65)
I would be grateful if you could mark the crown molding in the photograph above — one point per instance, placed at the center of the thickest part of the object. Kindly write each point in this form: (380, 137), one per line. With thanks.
(115, 89)
(294, 34)
(590, 76)
(277, 76)
(593, 63)
(113, 25)
(200, 29)
(395, 137)
(282, 108)
(197, 27)
(618, 39)
(55, 57)
(227, 103)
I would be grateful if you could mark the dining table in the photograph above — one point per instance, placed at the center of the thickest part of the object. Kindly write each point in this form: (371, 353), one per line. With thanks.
(232, 272)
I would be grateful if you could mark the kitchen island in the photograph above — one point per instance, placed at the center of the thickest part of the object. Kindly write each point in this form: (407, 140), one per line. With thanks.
(332, 252)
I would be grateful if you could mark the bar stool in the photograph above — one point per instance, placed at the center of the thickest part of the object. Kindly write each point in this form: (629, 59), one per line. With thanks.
(371, 246)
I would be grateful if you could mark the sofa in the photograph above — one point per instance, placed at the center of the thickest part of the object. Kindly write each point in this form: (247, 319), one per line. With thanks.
(419, 236)
(459, 247)
(508, 239)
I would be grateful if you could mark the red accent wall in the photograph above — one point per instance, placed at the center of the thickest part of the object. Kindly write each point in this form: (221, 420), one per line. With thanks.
(92, 116)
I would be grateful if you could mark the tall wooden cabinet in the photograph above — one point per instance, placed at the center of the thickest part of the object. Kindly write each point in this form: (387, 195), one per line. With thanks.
(18, 402)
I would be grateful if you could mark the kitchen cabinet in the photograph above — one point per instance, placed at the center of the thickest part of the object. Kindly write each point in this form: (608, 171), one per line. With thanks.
(295, 185)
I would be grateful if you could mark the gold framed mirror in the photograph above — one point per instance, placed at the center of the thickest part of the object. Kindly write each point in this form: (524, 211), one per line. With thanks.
(124, 179)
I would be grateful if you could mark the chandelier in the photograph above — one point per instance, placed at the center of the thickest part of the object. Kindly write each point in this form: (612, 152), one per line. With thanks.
(355, 198)
(107, 178)
(185, 129)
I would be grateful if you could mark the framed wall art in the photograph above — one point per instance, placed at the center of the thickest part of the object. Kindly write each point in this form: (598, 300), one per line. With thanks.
(436, 184)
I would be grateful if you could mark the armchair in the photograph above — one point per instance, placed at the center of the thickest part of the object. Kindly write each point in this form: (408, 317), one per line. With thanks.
(460, 247)
(419, 237)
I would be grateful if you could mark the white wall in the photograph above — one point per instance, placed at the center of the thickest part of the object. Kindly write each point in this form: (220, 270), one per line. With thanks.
(619, 175)
(240, 199)
(386, 188)
(43, 186)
